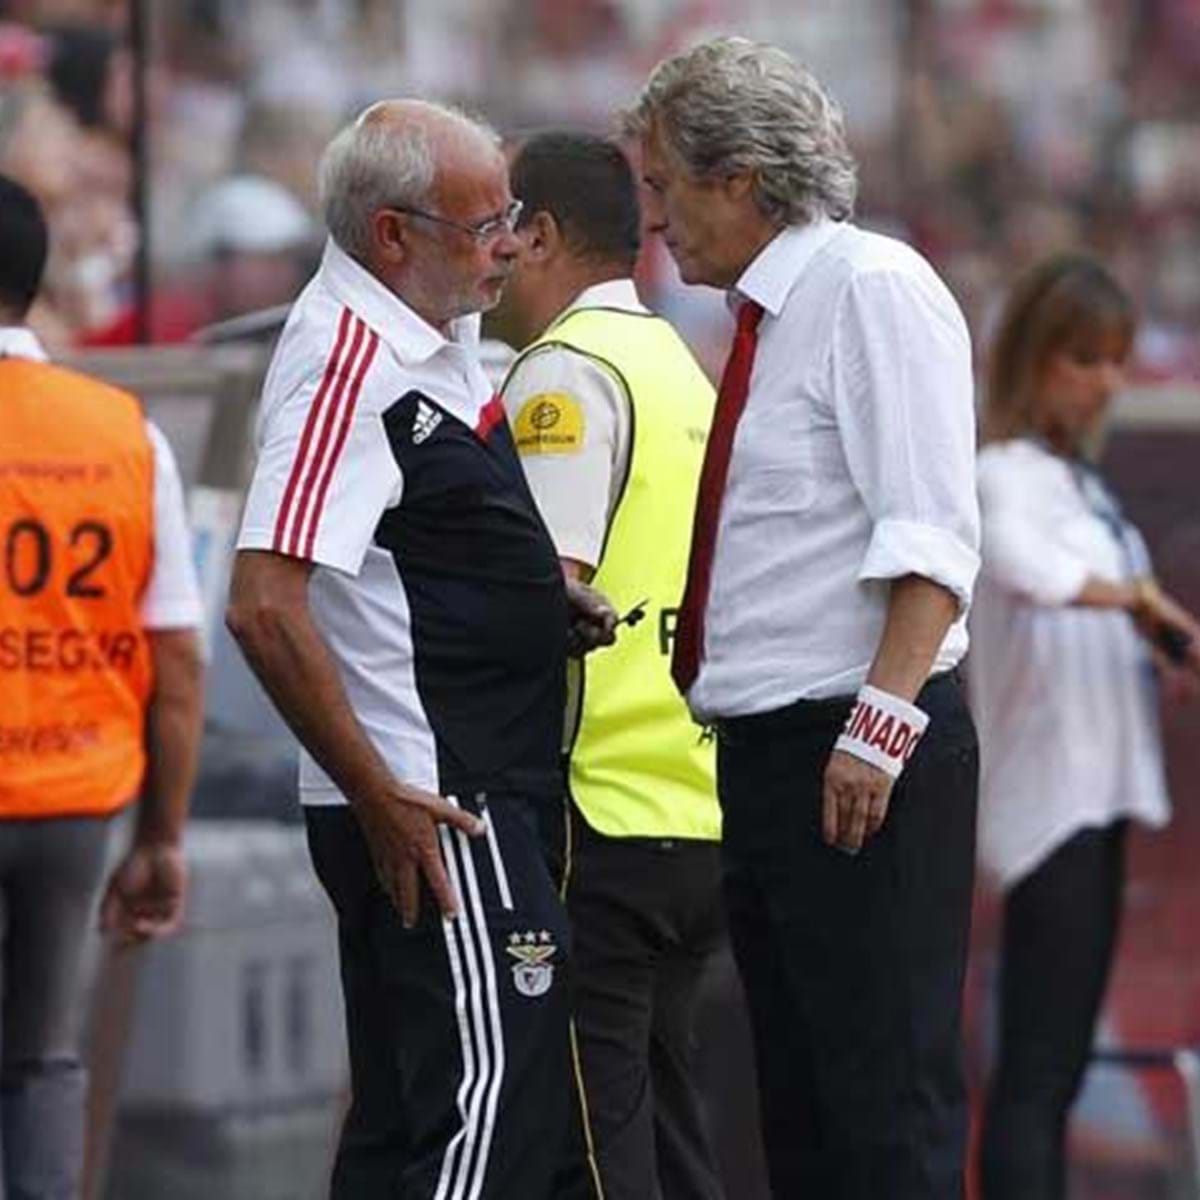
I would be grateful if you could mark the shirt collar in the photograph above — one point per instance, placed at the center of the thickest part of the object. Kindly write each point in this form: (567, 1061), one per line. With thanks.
(412, 337)
(612, 293)
(774, 271)
(17, 341)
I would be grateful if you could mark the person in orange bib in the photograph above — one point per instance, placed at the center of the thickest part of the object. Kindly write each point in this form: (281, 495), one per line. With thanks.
(101, 674)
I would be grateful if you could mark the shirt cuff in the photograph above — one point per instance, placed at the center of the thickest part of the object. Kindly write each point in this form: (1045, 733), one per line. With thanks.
(345, 560)
(177, 614)
(900, 548)
(577, 546)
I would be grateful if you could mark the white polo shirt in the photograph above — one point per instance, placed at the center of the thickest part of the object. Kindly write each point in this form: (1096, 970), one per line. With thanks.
(853, 465)
(385, 461)
(172, 596)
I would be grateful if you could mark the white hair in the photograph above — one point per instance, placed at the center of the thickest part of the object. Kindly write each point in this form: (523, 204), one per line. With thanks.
(731, 105)
(376, 162)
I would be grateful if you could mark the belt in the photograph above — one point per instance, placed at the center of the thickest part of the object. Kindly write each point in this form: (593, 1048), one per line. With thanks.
(827, 711)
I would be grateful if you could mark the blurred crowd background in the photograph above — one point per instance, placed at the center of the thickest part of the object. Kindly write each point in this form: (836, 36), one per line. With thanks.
(989, 132)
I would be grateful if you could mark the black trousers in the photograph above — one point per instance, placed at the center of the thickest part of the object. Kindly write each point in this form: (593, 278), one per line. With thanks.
(1060, 927)
(646, 917)
(853, 965)
(458, 1029)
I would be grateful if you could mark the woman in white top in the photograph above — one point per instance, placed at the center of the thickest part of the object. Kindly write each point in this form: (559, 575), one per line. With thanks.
(1068, 633)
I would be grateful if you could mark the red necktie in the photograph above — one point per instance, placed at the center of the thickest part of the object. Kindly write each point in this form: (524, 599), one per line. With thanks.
(731, 399)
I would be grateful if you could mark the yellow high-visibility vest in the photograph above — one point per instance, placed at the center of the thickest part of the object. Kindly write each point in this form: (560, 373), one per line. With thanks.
(638, 766)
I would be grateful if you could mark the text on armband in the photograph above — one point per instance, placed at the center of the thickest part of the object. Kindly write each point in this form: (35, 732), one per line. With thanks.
(873, 727)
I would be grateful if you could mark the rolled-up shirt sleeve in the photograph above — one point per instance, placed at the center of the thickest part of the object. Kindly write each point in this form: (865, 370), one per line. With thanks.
(1019, 556)
(902, 390)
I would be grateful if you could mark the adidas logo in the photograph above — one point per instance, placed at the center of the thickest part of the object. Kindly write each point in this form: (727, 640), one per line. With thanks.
(425, 422)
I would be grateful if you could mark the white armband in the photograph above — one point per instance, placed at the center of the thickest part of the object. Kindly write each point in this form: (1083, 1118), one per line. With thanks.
(882, 729)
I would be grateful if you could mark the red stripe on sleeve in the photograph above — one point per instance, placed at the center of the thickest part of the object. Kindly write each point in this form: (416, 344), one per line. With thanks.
(342, 433)
(314, 413)
(317, 458)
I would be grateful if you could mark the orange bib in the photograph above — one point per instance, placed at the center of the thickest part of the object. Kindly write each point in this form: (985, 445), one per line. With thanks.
(76, 549)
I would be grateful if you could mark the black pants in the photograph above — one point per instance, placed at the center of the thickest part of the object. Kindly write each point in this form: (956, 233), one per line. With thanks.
(853, 966)
(458, 1030)
(1060, 926)
(646, 917)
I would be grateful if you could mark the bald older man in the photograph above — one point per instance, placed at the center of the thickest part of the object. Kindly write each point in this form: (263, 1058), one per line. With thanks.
(398, 596)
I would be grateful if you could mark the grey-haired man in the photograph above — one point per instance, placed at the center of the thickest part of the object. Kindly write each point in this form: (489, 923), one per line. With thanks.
(834, 550)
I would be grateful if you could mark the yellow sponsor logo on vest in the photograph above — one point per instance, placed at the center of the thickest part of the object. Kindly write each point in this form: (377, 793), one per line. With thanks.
(549, 423)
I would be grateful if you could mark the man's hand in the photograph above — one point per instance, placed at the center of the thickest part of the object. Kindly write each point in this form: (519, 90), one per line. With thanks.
(269, 616)
(144, 897)
(401, 834)
(856, 801)
(593, 618)
(919, 613)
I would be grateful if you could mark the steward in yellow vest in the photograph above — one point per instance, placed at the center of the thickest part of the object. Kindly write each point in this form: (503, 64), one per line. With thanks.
(100, 673)
(610, 413)
(638, 766)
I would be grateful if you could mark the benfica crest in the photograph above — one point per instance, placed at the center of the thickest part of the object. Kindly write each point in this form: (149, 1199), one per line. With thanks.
(533, 972)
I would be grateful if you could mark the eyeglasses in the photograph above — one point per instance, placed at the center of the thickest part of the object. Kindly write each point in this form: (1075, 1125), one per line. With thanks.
(485, 231)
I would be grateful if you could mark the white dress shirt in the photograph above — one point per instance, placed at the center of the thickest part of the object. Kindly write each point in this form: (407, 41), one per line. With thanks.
(1063, 697)
(853, 465)
(172, 596)
(577, 490)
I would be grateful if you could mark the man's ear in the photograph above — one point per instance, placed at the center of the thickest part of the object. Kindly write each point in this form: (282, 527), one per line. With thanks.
(542, 237)
(391, 234)
(739, 186)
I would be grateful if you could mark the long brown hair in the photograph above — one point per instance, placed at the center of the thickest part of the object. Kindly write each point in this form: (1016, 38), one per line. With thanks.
(1066, 301)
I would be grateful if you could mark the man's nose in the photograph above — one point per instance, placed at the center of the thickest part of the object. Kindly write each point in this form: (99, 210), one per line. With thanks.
(506, 246)
(654, 214)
